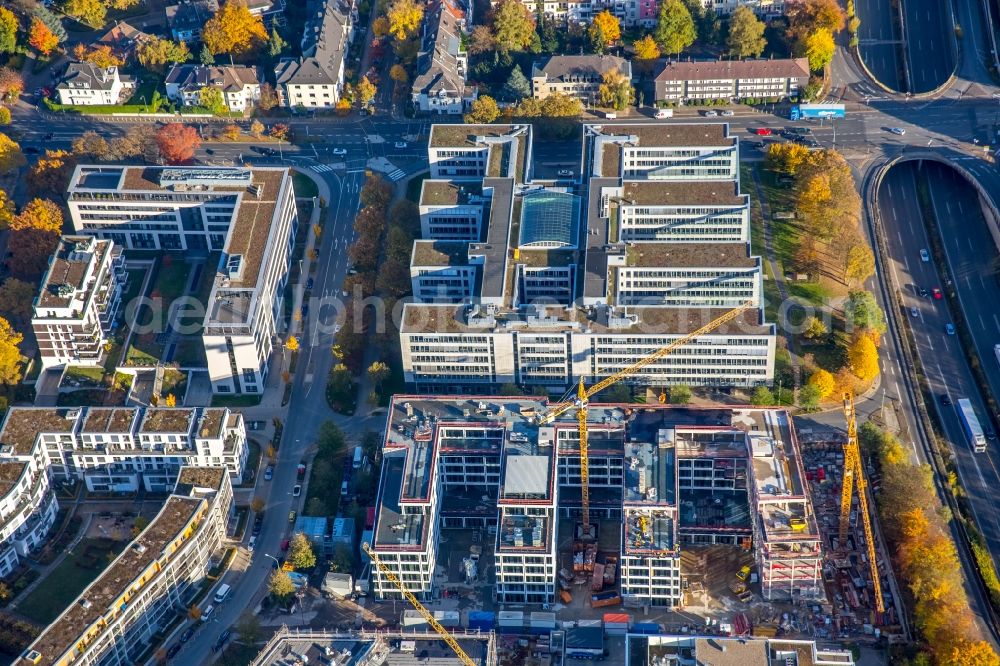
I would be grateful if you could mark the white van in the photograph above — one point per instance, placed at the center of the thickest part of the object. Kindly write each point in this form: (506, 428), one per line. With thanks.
(207, 613)
(222, 593)
(252, 543)
(610, 115)
(664, 113)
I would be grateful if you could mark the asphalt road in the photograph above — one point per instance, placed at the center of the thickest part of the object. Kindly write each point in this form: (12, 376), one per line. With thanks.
(929, 53)
(879, 42)
(944, 364)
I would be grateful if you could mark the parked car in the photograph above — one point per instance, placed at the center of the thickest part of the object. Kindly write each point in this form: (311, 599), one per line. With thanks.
(565, 173)
(291, 516)
(762, 131)
(223, 637)
(173, 650)
(297, 490)
(309, 283)
(269, 473)
(709, 113)
(186, 635)
(252, 543)
(728, 113)
(899, 131)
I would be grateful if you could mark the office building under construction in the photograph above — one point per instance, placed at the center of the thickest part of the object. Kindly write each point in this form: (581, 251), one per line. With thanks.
(664, 478)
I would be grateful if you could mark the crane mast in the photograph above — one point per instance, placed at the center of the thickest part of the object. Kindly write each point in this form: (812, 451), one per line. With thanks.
(426, 614)
(854, 476)
(584, 394)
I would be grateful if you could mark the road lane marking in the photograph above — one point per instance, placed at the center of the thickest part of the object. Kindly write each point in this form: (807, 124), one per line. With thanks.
(981, 322)
(931, 344)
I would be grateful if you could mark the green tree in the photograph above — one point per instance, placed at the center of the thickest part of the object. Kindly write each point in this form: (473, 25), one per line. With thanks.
(155, 53)
(819, 49)
(8, 30)
(513, 26)
(248, 628)
(212, 99)
(675, 29)
(680, 394)
(280, 585)
(16, 297)
(809, 397)
(205, 56)
(517, 86)
(863, 312)
(300, 552)
(91, 12)
(275, 44)
(814, 328)
(483, 110)
(762, 397)
(746, 34)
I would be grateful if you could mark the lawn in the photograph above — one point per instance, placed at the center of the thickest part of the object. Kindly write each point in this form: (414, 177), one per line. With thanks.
(235, 400)
(171, 278)
(65, 582)
(304, 185)
(190, 353)
(84, 375)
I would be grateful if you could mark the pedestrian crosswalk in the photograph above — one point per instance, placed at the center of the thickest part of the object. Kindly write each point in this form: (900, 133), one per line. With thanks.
(321, 168)
(396, 175)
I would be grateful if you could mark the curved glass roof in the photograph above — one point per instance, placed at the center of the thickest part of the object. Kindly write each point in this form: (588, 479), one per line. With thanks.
(549, 219)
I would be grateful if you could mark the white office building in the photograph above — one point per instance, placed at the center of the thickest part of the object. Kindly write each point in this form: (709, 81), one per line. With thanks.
(248, 215)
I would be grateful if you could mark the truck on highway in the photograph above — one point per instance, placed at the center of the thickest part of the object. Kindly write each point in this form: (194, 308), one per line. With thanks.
(802, 111)
(970, 423)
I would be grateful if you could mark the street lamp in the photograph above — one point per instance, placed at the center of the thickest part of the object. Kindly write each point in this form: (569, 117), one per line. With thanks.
(273, 558)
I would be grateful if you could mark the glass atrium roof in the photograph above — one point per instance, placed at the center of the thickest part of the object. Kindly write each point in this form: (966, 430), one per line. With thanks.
(549, 219)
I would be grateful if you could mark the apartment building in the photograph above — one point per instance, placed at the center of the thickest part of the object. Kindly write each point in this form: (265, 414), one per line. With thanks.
(120, 449)
(680, 82)
(119, 615)
(535, 284)
(316, 80)
(85, 84)
(578, 76)
(765, 8)
(631, 13)
(238, 84)
(744, 650)
(249, 215)
(28, 510)
(440, 86)
(79, 301)
(662, 479)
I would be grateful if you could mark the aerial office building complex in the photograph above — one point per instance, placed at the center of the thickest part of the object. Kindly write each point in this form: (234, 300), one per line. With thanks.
(540, 283)
(247, 215)
(661, 478)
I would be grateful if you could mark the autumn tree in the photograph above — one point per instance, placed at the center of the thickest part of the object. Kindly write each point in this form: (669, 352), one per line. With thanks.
(398, 74)
(177, 142)
(513, 26)
(34, 234)
(859, 264)
(376, 193)
(280, 585)
(785, 157)
(52, 171)
(805, 17)
(8, 30)
(41, 37)
(212, 100)
(230, 132)
(645, 52)
(280, 131)
(300, 552)
(675, 29)
(483, 110)
(268, 97)
(862, 358)
(6, 210)
(604, 30)
(819, 49)
(365, 91)
(99, 56)
(10, 354)
(16, 297)
(823, 382)
(4, 115)
(378, 372)
(91, 144)
(11, 83)
(156, 53)
(404, 18)
(746, 34)
(292, 343)
(234, 30)
(826, 200)
(91, 12)
(814, 328)
(256, 129)
(481, 41)
(380, 27)
(11, 157)
(616, 90)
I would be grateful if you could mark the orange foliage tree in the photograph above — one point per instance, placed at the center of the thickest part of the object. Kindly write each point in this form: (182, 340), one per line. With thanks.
(41, 37)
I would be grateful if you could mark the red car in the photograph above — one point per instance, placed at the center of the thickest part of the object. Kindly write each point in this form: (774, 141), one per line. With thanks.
(762, 131)
(937, 293)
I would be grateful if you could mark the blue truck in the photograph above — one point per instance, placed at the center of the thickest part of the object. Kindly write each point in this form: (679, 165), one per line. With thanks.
(801, 111)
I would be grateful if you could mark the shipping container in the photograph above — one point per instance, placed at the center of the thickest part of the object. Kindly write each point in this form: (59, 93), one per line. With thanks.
(510, 619)
(412, 618)
(370, 518)
(545, 621)
(482, 620)
(448, 618)
(648, 628)
(602, 599)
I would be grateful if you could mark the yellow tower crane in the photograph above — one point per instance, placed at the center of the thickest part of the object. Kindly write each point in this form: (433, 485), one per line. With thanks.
(427, 615)
(854, 476)
(584, 394)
